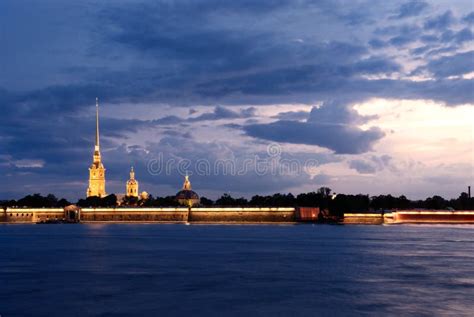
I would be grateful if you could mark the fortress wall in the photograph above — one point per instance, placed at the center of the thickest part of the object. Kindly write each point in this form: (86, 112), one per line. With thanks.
(210, 215)
(412, 216)
(364, 219)
(134, 214)
(433, 216)
(229, 215)
(242, 215)
(29, 215)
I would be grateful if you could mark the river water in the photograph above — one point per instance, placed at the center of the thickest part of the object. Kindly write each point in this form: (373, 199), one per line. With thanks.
(262, 270)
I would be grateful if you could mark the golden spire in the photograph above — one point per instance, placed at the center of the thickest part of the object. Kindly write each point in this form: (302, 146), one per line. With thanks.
(97, 170)
(97, 124)
(132, 173)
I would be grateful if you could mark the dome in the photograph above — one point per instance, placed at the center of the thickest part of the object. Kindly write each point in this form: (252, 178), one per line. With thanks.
(187, 194)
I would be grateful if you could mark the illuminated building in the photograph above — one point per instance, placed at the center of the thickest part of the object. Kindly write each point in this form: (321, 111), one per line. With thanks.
(186, 196)
(97, 170)
(132, 185)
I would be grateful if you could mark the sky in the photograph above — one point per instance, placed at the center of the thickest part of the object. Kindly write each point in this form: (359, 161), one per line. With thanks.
(247, 97)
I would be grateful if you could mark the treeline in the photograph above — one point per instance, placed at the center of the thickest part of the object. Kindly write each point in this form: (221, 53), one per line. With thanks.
(111, 201)
(323, 198)
(341, 203)
(36, 201)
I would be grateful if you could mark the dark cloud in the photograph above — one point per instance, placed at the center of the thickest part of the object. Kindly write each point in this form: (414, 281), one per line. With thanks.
(412, 8)
(446, 66)
(372, 164)
(377, 43)
(292, 115)
(421, 50)
(363, 167)
(464, 35)
(333, 126)
(341, 139)
(399, 35)
(168, 120)
(440, 22)
(224, 113)
(429, 38)
(469, 19)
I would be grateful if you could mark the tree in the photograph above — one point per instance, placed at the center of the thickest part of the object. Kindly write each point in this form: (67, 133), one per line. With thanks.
(206, 202)
(436, 202)
(227, 200)
(109, 201)
(95, 201)
(39, 201)
(168, 201)
(129, 201)
(92, 201)
(149, 202)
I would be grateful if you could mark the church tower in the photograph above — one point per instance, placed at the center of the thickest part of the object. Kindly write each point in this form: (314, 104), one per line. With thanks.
(132, 185)
(97, 170)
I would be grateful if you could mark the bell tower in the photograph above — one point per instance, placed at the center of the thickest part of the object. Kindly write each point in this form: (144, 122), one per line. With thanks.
(96, 170)
(132, 185)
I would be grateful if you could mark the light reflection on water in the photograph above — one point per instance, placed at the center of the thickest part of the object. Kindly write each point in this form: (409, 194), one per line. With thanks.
(128, 269)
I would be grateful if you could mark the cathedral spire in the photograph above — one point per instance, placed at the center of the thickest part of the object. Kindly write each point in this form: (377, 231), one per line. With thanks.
(96, 123)
(97, 170)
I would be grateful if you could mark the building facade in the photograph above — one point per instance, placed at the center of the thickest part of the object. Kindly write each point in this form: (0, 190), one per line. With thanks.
(132, 185)
(96, 170)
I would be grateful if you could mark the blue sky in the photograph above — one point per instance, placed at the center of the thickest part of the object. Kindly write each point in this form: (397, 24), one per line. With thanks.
(379, 93)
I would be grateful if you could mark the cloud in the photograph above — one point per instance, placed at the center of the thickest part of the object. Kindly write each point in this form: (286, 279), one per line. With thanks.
(292, 115)
(377, 43)
(469, 18)
(363, 167)
(410, 9)
(333, 126)
(224, 113)
(372, 164)
(440, 22)
(462, 36)
(399, 35)
(446, 66)
(168, 120)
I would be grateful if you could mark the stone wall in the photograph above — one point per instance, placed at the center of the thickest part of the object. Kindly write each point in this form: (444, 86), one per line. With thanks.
(433, 216)
(363, 219)
(242, 215)
(32, 215)
(134, 214)
(226, 215)
(206, 215)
